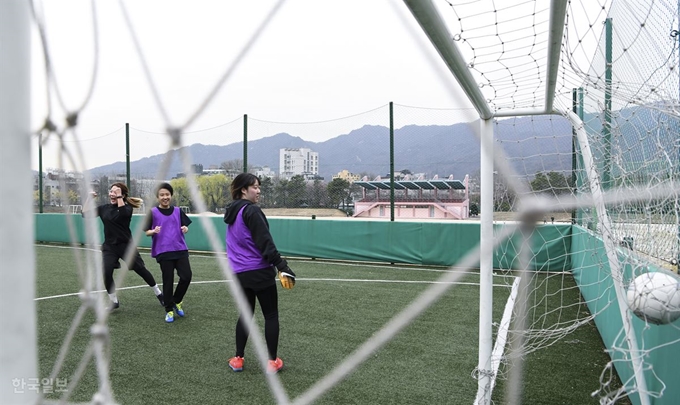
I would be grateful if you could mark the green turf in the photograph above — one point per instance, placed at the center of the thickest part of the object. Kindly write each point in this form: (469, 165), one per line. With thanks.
(333, 309)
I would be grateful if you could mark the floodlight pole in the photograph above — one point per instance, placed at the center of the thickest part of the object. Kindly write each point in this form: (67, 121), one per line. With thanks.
(391, 161)
(127, 155)
(18, 333)
(607, 127)
(40, 174)
(245, 143)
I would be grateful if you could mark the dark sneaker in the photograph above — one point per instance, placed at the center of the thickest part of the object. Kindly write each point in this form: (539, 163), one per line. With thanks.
(160, 298)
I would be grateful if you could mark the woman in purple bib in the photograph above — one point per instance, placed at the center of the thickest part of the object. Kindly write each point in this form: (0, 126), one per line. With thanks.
(166, 226)
(254, 259)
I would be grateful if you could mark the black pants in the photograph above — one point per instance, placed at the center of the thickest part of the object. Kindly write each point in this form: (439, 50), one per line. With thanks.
(184, 272)
(111, 254)
(269, 303)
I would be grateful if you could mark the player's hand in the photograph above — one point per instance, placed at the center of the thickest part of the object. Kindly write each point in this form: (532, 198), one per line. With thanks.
(184, 228)
(157, 229)
(287, 278)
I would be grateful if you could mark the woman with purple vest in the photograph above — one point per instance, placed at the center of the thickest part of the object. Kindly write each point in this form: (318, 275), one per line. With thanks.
(166, 226)
(254, 259)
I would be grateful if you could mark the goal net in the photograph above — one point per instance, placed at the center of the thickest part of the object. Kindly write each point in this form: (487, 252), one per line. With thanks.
(578, 105)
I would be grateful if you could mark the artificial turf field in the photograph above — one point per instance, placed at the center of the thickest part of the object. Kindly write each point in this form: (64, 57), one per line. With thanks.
(332, 310)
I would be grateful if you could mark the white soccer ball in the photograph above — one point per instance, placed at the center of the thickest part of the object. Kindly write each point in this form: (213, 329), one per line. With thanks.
(655, 297)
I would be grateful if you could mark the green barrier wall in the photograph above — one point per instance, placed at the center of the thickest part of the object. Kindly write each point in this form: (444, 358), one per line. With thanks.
(592, 273)
(427, 243)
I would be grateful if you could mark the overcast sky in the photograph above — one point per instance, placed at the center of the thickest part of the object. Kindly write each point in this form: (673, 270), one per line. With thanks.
(316, 60)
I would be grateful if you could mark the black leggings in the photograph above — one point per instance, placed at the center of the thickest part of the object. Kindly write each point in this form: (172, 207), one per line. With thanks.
(269, 303)
(111, 254)
(184, 272)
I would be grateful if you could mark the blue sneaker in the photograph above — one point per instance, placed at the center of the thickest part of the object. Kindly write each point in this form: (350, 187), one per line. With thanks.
(169, 317)
(178, 309)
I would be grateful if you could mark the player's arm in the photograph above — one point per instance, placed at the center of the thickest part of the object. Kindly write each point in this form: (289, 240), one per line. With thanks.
(185, 221)
(149, 229)
(259, 228)
(89, 207)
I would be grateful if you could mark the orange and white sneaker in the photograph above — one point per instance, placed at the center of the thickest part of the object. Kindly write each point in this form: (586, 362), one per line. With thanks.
(236, 363)
(274, 366)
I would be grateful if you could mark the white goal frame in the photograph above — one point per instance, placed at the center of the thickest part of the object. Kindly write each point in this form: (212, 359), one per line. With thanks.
(433, 25)
(18, 326)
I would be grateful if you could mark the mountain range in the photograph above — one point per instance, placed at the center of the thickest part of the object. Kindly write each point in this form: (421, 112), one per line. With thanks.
(533, 144)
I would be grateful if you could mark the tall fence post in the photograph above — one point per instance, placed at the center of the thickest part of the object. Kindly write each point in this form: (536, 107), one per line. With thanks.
(245, 143)
(127, 155)
(607, 127)
(40, 174)
(391, 161)
(574, 141)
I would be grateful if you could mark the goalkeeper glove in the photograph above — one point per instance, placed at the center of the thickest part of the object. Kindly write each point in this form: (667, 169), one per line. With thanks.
(287, 278)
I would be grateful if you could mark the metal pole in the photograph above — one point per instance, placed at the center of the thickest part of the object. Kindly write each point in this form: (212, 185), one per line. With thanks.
(245, 143)
(40, 174)
(391, 161)
(581, 95)
(127, 154)
(574, 106)
(606, 128)
(18, 333)
(677, 162)
(484, 368)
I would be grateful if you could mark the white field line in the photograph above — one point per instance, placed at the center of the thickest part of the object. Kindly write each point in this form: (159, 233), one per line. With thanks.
(298, 278)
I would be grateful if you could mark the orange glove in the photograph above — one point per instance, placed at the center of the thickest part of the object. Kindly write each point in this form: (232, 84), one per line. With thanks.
(287, 278)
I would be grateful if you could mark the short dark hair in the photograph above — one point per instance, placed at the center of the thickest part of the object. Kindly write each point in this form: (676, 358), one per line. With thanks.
(243, 180)
(166, 186)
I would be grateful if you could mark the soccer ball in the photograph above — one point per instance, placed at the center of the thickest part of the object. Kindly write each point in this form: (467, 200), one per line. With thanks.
(655, 297)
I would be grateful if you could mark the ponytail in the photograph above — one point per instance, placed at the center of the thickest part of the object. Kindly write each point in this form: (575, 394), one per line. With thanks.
(135, 202)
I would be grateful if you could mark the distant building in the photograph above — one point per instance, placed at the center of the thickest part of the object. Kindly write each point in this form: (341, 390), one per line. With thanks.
(265, 171)
(346, 175)
(53, 194)
(210, 172)
(416, 199)
(298, 162)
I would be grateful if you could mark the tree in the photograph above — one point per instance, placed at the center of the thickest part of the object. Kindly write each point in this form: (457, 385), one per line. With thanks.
(297, 190)
(234, 167)
(73, 197)
(267, 194)
(214, 190)
(474, 209)
(36, 198)
(281, 197)
(338, 192)
(181, 195)
(317, 196)
(552, 183)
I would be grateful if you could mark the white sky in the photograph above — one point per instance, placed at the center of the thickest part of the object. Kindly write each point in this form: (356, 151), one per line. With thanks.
(317, 60)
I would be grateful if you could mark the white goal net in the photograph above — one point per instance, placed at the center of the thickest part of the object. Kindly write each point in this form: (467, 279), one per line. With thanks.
(579, 123)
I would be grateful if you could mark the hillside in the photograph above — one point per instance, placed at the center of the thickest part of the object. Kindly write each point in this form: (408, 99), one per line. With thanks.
(434, 150)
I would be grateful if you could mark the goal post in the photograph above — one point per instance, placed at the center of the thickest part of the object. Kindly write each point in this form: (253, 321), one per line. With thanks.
(18, 336)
